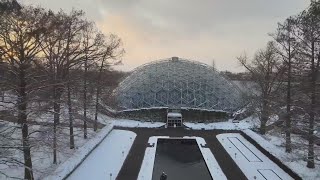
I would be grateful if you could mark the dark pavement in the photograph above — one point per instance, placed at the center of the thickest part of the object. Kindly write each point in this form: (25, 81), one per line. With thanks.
(132, 164)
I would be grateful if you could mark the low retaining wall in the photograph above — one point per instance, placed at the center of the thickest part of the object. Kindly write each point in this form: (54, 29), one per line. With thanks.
(194, 115)
(160, 115)
(65, 169)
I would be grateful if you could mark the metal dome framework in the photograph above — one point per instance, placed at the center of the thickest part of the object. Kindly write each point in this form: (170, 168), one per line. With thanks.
(177, 83)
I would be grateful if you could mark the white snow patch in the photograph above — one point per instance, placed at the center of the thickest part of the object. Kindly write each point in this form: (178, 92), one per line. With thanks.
(149, 108)
(41, 150)
(104, 119)
(288, 159)
(69, 165)
(107, 107)
(253, 163)
(201, 109)
(136, 124)
(107, 159)
(229, 125)
(172, 114)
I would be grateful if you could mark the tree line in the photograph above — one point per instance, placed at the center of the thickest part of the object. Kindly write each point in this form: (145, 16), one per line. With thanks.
(45, 58)
(286, 73)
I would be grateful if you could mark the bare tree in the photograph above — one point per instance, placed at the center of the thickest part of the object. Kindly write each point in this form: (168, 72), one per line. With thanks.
(111, 52)
(2, 76)
(43, 52)
(21, 35)
(265, 69)
(287, 46)
(308, 33)
(93, 45)
(63, 51)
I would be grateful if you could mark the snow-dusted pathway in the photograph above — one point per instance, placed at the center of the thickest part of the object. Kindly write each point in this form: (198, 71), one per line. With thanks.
(253, 163)
(106, 160)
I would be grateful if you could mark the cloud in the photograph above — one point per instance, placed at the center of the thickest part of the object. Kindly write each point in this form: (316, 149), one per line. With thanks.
(199, 16)
(201, 30)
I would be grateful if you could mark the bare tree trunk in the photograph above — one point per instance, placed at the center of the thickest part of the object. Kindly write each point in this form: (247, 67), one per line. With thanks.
(85, 99)
(311, 135)
(2, 91)
(95, 126)
(288, 117)
(70, 116)
(22, 119)
(2, 95)
(310, 163)
(265, 101)
(28, 172)
(56, 120)
(264, 117)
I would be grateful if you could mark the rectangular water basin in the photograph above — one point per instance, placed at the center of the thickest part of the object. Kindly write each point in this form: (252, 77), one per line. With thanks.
(179, 159)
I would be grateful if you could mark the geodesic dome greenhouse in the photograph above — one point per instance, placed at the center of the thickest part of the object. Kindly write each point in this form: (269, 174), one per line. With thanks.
(177, 83)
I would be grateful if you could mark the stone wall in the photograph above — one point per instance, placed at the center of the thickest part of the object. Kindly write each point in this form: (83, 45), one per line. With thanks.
(160, 115)
(197, 115)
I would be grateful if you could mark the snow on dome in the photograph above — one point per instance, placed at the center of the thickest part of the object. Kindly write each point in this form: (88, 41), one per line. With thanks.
(171, 114)
(177, 83)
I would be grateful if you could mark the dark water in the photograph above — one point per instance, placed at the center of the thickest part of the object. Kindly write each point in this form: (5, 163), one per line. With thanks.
(180, 160)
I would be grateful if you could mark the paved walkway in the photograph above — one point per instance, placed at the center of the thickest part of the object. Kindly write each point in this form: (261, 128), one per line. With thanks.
(132, 164)
(101, 164)
(251, 161)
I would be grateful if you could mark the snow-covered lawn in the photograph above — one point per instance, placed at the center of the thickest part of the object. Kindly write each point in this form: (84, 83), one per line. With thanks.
(136, 124)
(106, 160)
(127, 123)
(229, 125)
(294, 160)
(70, 164)
(8, 103)
(146, 169)
(41, 142)
(253, 163)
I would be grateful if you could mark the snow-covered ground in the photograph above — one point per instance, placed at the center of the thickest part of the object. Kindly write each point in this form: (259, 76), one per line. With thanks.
(146, 169)
(41, 142)
(173, 114)
(42, 137)
(128, 123)
(106, 160)
(136, 124)
(70, 164)
(253, 163)
(229, 125)
(294, 160)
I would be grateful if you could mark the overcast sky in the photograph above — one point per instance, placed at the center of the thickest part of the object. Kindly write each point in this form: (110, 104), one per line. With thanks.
(200, 30)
